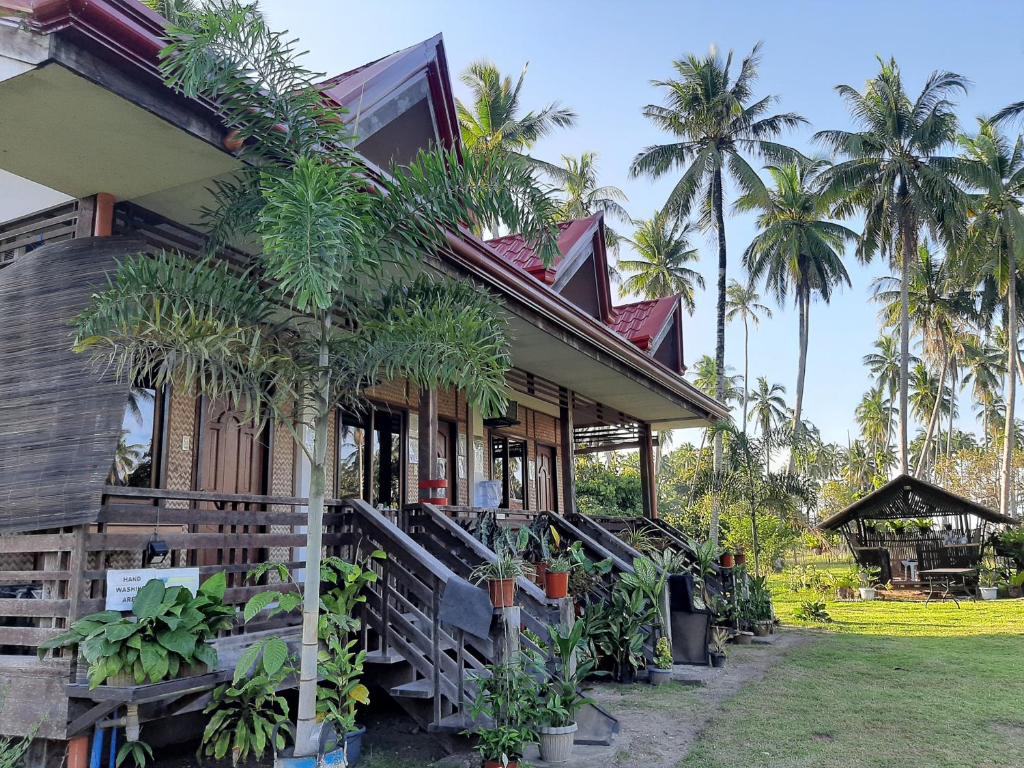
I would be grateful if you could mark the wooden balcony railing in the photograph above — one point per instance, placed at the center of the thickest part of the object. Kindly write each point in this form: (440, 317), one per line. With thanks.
(52, 225)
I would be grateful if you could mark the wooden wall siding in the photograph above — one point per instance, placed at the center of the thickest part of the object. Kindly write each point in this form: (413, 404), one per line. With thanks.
(59, 421)
(52, 225)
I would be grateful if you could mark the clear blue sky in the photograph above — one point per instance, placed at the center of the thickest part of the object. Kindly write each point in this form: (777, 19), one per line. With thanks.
(599, 58)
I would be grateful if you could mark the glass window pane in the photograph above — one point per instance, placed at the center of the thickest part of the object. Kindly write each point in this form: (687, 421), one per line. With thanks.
(351, 460)
(133, 458)
(516, 468)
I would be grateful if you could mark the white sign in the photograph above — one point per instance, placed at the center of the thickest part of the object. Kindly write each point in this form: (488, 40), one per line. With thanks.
(122, 586)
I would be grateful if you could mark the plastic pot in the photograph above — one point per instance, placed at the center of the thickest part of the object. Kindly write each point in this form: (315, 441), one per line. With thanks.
(499, 764)
(741, 558)
(556, 743)
(717, 660)
(540, 571)
(989, 593)
(743, 638)
(502, 592)
(556, 585)
(867, 593)
(658, 676)
(762, 629)
(727, 560)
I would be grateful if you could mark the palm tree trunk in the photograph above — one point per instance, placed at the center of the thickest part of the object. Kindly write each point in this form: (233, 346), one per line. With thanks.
(719, 333)
(1011, 382)
(804, 301)
(306, 730)
(909, 249)
(746, 371)
(933, 417)
(954, 375)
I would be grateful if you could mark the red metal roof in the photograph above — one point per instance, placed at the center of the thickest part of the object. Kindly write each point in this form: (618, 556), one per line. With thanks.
(515, 250)
(642, 321)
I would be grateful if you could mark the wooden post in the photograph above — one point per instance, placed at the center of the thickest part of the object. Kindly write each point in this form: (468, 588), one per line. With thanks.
(508, 626)
(103, 223)
(568, 452)
(427, 468)
(567, 617)
(648, 481)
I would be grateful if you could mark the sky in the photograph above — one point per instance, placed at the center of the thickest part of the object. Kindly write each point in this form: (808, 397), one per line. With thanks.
(599, 57)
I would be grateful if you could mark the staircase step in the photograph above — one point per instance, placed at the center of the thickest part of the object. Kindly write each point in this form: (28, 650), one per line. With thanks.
(420, 689)
(380, 657)
(459, 722)
(424, 626)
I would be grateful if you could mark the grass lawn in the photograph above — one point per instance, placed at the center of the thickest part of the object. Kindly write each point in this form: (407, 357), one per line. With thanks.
(884, 684)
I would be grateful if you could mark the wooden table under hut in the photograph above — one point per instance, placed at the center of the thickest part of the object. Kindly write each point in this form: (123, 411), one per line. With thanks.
(910, 529)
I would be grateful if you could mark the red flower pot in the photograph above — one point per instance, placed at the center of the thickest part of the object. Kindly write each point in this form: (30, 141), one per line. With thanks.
(502, 592)
(539, 571)
(741, 558)
(727, 560)
(556, 585)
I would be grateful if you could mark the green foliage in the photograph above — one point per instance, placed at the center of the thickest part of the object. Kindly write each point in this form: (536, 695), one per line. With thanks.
(248, 715)
(663, 654)
(609, 490)
(510, 697)
(813, 610)
(341, 692)
(139, 751)
(509, 546)
(167, 632)
(560, 698)
(616, 629)
(586, 576)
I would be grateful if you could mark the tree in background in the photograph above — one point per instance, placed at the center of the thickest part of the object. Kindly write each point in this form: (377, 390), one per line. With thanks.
(662, 247)
(583, 197)
(714, 120)
(328, 307)
(767, 410)
(893, 172)
(796, 250)
(609, 488)
(744, 302)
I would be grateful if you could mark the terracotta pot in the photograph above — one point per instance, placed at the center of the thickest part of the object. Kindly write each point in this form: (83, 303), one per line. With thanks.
(556, 585)
(727, 560)
(502, 592)
(741, 558)
(539, 571)
(498, 764)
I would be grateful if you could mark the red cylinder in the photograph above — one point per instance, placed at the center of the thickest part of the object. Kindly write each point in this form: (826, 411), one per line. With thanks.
(434, 491)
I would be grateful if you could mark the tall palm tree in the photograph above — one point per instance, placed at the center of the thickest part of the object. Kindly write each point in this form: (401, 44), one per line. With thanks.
(884, 364)
(797, 249)
(893, 171)
(984, 366)
(743, 302)
(493, 121)
(940, 306)
(874, 418)
(705, 378)
(662, 246)
(714, 120)
(582, 196)
(994, 169)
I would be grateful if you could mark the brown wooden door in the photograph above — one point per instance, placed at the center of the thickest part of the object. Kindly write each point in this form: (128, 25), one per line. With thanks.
(546, 495)
(233, 461)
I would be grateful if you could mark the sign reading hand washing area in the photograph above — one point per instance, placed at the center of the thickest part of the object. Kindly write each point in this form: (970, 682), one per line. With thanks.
(122, 586)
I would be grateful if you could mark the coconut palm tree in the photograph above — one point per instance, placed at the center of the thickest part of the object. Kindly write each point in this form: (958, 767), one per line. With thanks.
(714, 121)
(874, 417)
(985, 366)
(893, 171)
(993, 167)
(884, 364)
(582, 196)
(767, 408)
(662, 247)
(940, 307)
(493, 121)
(743, 302)
(796, 250)
(705, 378)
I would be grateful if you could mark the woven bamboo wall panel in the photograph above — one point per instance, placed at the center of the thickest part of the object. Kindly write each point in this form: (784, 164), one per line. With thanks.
(59, 419)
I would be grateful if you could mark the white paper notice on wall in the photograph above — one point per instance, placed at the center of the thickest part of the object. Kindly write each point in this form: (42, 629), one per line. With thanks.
(122, 586)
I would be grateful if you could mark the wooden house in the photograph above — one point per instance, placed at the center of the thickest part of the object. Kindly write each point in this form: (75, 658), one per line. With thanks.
(93, 470)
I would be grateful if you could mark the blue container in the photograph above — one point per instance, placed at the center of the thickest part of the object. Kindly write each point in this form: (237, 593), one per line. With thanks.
(332, 759)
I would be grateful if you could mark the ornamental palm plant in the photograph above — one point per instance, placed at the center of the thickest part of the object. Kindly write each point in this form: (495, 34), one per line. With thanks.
(331, 303)
(662, 247)
(893, 171)
(744, 302)
(993, 167)
(714, 121)
(797, 250)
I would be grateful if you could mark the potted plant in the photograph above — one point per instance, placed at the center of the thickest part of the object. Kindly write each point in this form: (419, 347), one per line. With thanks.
(508, 565)
(845, 583)
(618, 628)
(868, 577)
(759, 606)
(510, 699)
(898, 527)
(661, 672)
(543, 538)
(923, 525)
(727, 559)
(741, 557)
(164, 637)
(560, 699)
(716, 648)
(556, 579)
(988, 583)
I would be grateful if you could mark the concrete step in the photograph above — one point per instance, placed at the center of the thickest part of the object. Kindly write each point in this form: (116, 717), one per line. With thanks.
(420, 689)
(382, 658)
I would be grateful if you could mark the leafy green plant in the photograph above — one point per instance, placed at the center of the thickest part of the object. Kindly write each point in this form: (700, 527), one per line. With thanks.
(898, 527)
(813, 610)
(139, 751)
(560, 698)
(663, 654)
(869, 576)
(509, 563)
(923, 525)
(586, 576)
(341, 691)
(719, 640)
(990, 577)
(165, 634)
(561, 564)
(510, 698)
(618, 628)
(845, 581)
(649, 581)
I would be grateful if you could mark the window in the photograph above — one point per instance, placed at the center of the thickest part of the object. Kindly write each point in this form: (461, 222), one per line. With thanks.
(508, 464)
(351, 459)
(136, 459)
(370, 458)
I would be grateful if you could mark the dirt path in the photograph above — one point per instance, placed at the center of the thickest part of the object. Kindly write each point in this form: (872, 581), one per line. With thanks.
(659, 726)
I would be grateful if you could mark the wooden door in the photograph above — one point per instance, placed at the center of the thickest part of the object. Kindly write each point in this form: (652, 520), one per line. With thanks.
(446, 456)
(546, 495)
(233, 461)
